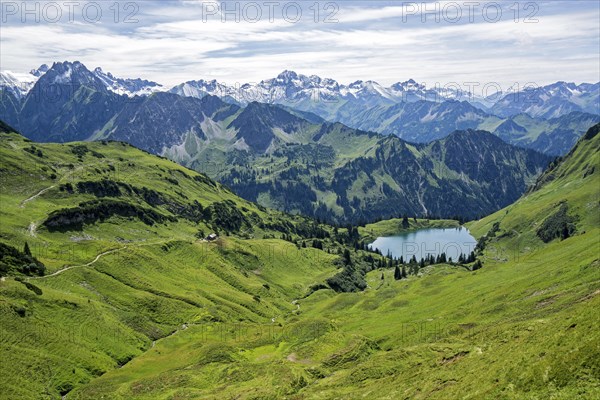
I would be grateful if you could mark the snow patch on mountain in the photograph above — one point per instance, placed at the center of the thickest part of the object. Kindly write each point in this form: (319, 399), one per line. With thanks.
(20, 84)
(128, 87)
(16, 83)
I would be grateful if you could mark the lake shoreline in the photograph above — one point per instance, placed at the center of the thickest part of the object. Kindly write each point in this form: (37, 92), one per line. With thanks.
(454, 243)
(393, 227)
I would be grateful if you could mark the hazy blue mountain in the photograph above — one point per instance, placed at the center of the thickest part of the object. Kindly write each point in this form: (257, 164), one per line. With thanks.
(162, 120)
(551, 101)
(417, 113)
(67, 103)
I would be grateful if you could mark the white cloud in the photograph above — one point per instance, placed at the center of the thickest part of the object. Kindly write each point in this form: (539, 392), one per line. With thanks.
(172, 44)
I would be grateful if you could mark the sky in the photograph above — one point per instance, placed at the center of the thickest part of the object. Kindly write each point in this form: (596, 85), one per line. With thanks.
(469, 43)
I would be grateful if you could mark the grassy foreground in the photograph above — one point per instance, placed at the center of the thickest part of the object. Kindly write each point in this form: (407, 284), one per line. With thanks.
(162, 315)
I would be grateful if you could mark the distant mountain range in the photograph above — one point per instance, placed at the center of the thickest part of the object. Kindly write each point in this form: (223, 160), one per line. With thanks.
(548, 119)
(20, 84)
(419, 114)
(332, 100)
(281, 157)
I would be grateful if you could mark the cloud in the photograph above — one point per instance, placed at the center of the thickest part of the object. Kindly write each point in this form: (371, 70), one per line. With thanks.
(171, 44)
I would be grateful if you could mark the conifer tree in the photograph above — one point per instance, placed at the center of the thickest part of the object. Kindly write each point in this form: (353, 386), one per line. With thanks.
(405, 223)
(26, 249)
(443, 259)
(347, 259)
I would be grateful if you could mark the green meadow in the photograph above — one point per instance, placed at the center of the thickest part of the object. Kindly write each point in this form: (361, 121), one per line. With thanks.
(138, 305)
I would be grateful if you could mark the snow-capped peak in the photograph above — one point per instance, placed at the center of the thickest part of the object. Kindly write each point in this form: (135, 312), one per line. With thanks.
(40, 71)
(17, 84)
(75, 72)
(128, 87)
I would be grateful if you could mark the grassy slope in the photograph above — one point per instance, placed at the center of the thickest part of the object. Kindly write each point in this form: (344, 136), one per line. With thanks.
(524, 326)
(99, 312)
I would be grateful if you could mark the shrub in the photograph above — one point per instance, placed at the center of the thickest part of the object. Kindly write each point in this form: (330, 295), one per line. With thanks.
(226, 216)
(32, 287)
(13, 260)
(79, 150)
(350, 279)
(558, 225)
(98, 211)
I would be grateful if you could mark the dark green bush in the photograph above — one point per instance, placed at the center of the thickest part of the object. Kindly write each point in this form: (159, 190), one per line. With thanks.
(98, 211)
(558, 225)
(13, 260)
(350, 279)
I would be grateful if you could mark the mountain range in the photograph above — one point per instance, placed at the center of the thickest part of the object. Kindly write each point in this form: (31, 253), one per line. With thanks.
(548, 119)
(281, 157)
(301, 91)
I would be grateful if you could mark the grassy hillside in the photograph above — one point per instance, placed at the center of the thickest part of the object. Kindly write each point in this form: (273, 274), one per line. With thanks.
(125, 263)
(135, 306)
(524, 326)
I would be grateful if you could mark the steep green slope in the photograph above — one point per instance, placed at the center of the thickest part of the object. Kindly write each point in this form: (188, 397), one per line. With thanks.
(523, 327)
(338, 174)
(119, 233)
(570, 183)
(241, 317)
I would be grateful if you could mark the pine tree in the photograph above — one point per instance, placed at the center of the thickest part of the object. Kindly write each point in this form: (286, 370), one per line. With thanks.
(471, 258)
(401, 260)
(414, 269)
(397, 273)
(422, 263)
(405, 223)
(404, 274)
(347, 259)
(26, 249)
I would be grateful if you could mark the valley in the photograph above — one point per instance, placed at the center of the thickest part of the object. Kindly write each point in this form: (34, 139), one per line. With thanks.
(204, 200)
(153, 311)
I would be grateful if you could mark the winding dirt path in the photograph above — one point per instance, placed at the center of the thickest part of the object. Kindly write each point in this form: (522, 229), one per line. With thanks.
(35, 196)
(295, 302)
(60, 271)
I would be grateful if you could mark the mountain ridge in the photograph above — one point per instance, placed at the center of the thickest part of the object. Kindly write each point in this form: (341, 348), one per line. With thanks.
(261, 152)
(408, 109)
